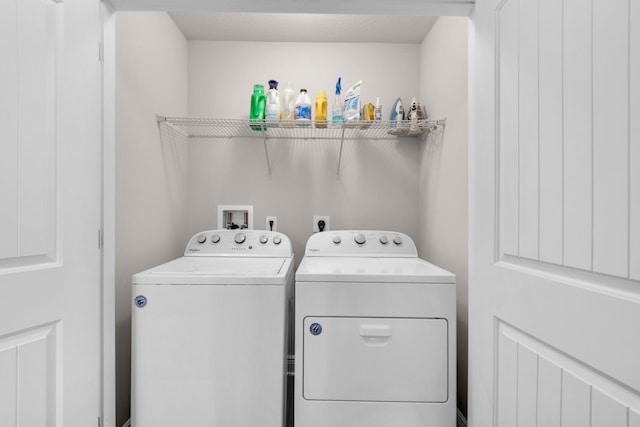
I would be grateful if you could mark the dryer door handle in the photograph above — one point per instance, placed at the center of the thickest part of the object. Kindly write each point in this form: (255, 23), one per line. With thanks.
(375, 334)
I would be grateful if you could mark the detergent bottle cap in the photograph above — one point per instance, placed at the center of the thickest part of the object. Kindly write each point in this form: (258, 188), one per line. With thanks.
(338, 86)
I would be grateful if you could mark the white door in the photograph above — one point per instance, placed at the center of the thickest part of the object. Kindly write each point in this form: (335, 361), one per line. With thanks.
(50, 303)
(555, 253)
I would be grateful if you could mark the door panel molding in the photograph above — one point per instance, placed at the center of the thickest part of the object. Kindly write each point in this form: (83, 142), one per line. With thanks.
(31, 372)
(30, 173)
(538, 382)
(565, 183)
(626, 289)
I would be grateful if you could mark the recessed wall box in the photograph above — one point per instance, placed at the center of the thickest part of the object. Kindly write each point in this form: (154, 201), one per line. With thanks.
(235, 217)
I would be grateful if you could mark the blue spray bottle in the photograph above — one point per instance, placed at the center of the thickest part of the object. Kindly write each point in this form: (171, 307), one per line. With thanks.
(336, 111)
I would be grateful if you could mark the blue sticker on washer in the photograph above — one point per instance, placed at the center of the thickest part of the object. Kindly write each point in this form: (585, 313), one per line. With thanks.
(141, 301)
(315, 329)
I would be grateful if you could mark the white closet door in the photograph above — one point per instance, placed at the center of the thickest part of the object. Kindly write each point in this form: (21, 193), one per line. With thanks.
(50, 304)
(554, 284)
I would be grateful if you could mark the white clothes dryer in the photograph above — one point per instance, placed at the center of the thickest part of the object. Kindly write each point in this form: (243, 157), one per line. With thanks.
(209, 333)
(375, 334)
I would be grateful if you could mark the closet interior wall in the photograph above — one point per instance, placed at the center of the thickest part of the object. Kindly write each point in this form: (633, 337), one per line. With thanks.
(168, 188)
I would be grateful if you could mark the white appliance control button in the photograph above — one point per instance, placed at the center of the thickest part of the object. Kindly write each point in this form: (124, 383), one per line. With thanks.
(337, 239)
(384, 239)
(277, 240)
(360, 239)
(264, 239)
(239, 238)
(215, 238)
(397, 240)
(202, 238)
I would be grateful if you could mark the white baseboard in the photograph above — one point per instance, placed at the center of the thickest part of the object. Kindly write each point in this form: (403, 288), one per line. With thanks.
(462, 421)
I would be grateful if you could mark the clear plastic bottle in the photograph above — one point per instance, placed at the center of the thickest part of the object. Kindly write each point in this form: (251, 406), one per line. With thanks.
(258, 103)
(287, 106)
(272, 115)
(321, 109)
(377, 112)
(336, 110)
(302, 111)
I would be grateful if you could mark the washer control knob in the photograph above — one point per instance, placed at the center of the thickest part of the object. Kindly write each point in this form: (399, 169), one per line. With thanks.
(202, 238)
(337, 239)
(215, 238)
(397, 240)
(384, 239)
(264, 239)
(239, 238)
(360, 239)
(277, 240)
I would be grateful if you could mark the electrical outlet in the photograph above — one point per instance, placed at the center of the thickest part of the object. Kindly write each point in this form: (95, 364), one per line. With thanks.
(271, 226)
(317, 219)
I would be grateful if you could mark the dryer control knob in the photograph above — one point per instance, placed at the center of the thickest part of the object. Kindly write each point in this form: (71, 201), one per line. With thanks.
(202, 238)
(384, 239)
(215, 238)
(360, 239)
(277, 240)
(239, 238)
(264, 239)
(397, 240)
(337, 239)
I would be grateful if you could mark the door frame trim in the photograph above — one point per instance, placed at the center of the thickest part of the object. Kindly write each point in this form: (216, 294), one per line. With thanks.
(108, 8)
(107, 221)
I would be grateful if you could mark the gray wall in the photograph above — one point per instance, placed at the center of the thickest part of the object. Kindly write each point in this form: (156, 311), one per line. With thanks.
(151, 178)
(378, 183)
(442, 205)
(168, 190)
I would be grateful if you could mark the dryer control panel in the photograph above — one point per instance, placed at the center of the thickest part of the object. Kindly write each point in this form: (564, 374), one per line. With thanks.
(257, 243)
(361, 243)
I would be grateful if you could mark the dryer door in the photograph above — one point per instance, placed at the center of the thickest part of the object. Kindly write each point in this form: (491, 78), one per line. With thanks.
(375, 359)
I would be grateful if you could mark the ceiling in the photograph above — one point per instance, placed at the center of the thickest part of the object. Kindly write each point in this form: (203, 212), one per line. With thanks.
(278, 27)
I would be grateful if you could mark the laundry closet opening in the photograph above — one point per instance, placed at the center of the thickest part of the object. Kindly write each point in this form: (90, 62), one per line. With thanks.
(204, 65)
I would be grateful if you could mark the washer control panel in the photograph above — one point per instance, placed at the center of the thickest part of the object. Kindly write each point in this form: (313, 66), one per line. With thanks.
(359, 243)
(258, 243)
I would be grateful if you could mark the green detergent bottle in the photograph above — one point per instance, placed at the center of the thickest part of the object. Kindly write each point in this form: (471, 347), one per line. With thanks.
(258, 106)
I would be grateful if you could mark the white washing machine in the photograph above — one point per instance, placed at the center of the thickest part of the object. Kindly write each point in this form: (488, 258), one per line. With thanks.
(209, 333)
(374, 334)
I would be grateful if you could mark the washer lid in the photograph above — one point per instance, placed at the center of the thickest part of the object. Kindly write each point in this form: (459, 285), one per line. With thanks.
(374, 270)
(218, 271)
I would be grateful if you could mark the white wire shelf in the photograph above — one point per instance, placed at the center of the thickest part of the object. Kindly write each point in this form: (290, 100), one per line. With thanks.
(232, 128)
(286, 130)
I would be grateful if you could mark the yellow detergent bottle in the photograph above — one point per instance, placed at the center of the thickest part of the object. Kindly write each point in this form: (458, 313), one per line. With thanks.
(321, 109)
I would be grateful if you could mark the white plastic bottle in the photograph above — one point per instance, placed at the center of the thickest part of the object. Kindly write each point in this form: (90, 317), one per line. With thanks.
(272, 114)
(377, 111)
(302, 111)
(287, 105)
